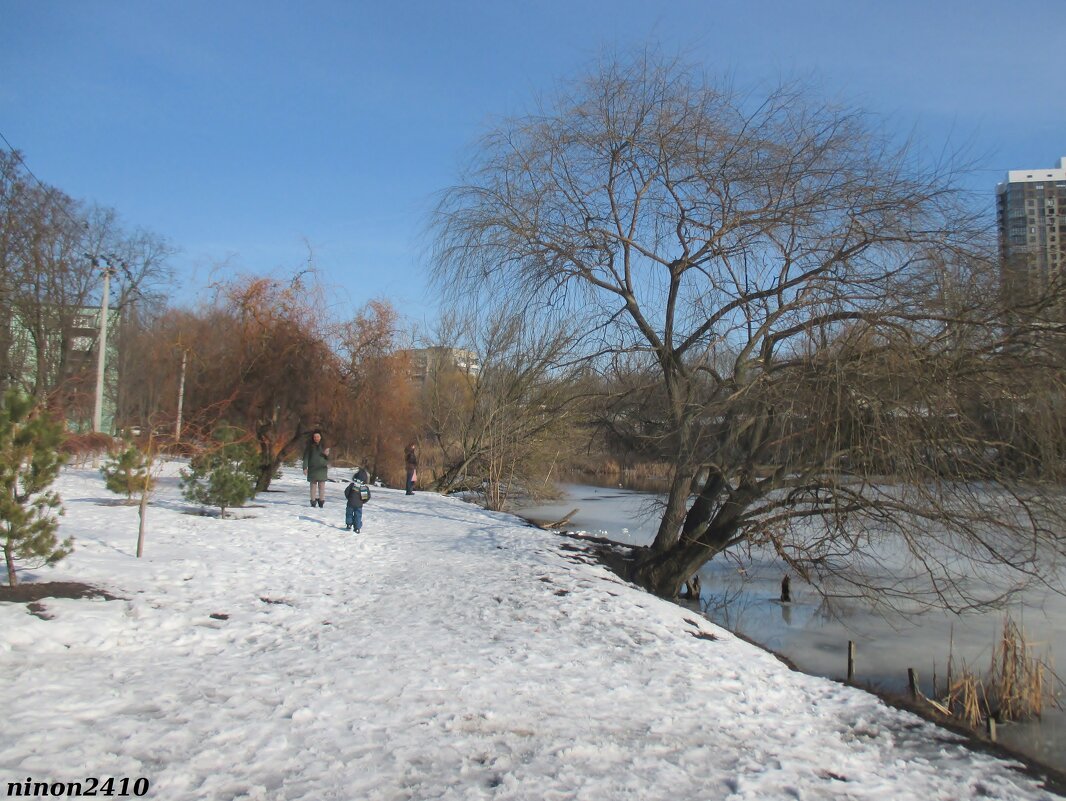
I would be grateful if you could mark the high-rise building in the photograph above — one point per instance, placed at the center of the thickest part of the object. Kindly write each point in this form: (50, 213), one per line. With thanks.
(1031, 213)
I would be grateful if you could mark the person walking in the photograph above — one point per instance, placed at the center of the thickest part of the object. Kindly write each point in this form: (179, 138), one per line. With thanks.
(357, 493)
(410, 460)
(316, 467)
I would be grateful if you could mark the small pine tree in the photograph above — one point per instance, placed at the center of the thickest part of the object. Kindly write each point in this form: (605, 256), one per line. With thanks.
(126, 473)
(29, 463)
(223, 475)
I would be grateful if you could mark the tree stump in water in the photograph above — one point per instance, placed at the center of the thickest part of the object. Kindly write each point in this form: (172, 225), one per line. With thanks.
(692, 588)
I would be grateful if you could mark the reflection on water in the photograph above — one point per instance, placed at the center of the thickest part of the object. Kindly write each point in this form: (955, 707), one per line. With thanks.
(744, 597)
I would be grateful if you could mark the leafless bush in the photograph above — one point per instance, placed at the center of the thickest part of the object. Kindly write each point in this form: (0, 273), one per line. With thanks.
(80, 449)
(504, 425)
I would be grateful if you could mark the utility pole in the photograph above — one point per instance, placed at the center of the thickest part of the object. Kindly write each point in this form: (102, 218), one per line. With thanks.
(181, 396)
(101, 356)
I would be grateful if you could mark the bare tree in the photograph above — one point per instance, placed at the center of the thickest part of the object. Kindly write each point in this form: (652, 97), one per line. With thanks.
(50, 250)
(790, 287)
(260, 359)
(502, 418)
(380, 416)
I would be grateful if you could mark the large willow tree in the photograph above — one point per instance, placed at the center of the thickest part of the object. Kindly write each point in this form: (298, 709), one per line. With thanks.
(806, 320)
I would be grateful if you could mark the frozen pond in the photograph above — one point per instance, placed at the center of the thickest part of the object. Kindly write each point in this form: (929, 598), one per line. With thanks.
(744, 598)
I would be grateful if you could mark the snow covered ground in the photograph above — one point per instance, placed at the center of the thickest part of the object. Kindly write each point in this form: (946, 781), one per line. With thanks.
(444, 653)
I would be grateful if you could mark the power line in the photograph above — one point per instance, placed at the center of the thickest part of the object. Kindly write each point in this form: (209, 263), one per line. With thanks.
(48, 190)
(22, 161)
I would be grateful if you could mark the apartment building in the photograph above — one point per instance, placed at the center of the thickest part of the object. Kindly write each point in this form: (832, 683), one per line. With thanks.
(1031, 216)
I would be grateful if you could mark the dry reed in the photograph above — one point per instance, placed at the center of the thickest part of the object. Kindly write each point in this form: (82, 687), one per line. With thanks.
(1018, 685)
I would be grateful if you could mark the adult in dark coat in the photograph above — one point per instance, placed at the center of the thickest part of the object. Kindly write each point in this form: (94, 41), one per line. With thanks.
(410, 460)
(316, 467)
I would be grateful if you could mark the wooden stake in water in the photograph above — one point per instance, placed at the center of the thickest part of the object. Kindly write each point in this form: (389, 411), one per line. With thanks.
(851, 660)
(912, 682)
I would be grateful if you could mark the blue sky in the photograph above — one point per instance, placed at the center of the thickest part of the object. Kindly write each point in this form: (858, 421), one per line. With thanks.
(243, 131)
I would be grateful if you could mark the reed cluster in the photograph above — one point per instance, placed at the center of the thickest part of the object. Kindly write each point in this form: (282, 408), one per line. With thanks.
(1018, 685)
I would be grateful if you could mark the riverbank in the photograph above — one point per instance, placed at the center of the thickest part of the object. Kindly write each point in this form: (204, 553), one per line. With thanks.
(617, 557)
(446, 652)
(742, 595)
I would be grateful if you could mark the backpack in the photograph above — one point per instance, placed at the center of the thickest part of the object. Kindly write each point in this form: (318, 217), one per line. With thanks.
(364, 490)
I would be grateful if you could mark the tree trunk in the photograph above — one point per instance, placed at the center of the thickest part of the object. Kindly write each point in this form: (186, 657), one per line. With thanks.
(40, 379)
(664, 573)
(450, 476)
(265, 430)
(670, 526)
(269, 460)
(9, 555)
(141, 511)
(703, 507)
(266, 475)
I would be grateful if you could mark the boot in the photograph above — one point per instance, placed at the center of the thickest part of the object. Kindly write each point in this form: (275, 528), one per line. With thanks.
(312, 501)
(321, 503)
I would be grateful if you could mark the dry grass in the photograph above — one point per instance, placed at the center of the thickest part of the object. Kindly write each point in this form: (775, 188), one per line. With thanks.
(612, 467)
(1018, 685)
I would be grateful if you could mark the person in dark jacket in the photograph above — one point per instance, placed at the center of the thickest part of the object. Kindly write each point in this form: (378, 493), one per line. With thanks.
(410, 460)
(316, 467)
(353, 511)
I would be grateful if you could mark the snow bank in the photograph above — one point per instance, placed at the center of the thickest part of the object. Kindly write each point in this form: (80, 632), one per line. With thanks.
(444, 653)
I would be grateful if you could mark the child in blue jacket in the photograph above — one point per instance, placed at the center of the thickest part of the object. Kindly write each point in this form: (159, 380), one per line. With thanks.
(357, 492)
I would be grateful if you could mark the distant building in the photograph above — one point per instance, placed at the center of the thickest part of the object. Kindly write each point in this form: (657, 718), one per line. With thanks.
(67, 356)
(426, 361)
(1031, 216)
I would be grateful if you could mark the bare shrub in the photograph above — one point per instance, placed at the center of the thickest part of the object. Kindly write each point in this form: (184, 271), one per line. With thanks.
(80, 449)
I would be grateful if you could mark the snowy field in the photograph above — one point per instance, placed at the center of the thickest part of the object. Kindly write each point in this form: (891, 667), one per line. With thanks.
(444, 653)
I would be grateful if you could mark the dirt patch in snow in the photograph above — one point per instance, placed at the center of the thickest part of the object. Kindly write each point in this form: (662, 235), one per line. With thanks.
(35, 591)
